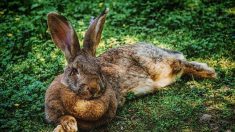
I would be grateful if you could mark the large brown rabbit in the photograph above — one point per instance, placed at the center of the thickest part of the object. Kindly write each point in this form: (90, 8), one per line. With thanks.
(91, 88)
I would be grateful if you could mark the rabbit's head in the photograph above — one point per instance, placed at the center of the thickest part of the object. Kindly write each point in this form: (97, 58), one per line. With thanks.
(83, 72)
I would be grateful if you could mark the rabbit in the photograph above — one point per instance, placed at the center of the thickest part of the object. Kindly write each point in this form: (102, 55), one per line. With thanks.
(91, 88)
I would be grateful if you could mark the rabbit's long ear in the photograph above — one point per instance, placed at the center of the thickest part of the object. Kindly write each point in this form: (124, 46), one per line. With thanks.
(63, 35)
(93, 34)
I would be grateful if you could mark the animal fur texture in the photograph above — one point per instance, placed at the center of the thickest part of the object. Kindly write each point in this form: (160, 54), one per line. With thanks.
(91, 88)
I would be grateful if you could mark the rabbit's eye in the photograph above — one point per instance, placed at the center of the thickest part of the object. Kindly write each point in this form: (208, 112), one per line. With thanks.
(74, 71)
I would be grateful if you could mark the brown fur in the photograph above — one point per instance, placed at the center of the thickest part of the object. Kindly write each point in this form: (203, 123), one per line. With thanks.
(91, 88)
(63, 102)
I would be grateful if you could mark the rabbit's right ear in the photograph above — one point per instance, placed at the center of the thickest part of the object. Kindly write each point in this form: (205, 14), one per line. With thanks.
(63, 35)
(93, 34)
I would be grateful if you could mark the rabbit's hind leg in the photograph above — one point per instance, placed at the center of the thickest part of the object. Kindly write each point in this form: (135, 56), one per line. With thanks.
(67, 124)
(160, 74)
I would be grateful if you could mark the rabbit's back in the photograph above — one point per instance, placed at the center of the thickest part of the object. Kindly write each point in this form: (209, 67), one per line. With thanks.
(143, 68)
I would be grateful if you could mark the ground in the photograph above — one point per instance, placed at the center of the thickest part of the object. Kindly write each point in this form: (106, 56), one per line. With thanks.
(202, 29)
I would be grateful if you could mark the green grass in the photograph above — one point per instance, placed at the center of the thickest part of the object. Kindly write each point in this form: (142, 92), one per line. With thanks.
(202, 29)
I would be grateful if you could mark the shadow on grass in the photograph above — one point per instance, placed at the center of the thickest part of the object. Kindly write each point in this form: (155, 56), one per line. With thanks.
(179, 107)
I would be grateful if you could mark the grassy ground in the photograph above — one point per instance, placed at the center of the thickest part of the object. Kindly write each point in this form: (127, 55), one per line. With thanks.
(202, 29)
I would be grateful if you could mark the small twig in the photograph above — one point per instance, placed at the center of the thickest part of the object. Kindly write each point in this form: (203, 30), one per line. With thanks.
(122, 118)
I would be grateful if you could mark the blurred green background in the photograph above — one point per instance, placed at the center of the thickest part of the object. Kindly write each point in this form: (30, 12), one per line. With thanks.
(204, 30)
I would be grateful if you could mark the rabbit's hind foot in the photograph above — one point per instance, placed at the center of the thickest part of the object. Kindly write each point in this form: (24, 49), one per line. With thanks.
(199, 69)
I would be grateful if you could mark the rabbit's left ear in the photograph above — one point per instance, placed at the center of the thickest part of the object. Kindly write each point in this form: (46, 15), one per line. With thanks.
(63, 35)
(93, 34)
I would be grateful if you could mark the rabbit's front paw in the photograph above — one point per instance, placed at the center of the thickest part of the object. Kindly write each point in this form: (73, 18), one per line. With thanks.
(59, 128)
(69, 124)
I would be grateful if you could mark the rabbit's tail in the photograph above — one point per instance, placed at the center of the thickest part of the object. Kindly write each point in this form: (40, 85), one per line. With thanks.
(197, 69)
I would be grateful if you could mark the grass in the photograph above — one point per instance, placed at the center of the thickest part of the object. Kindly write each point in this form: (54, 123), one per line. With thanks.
(202, 29)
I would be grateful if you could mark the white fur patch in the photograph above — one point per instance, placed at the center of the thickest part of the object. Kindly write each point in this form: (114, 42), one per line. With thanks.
(142, 90)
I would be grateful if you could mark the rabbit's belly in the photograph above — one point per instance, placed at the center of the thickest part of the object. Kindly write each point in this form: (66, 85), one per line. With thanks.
(142, 83)
(140, 86)
(151, 87)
